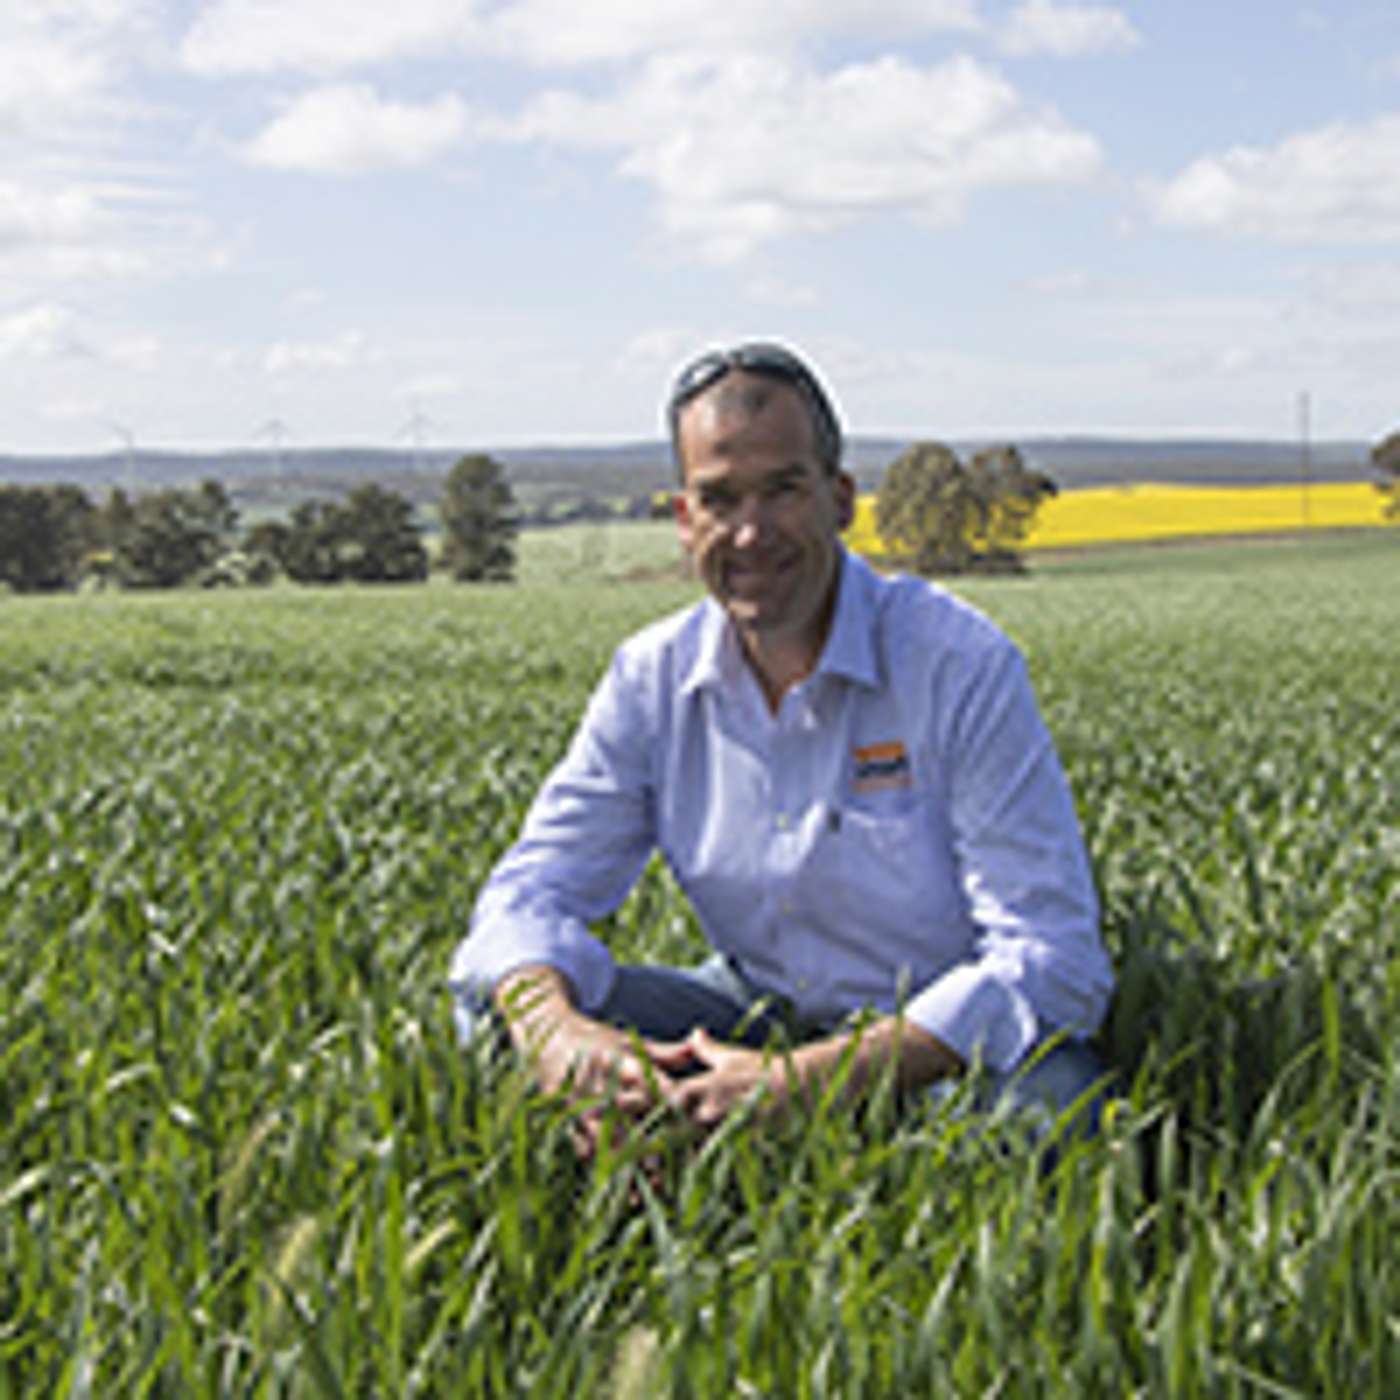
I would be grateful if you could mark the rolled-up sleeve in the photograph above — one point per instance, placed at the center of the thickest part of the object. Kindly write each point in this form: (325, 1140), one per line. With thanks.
(585, 839)
(1038, 965)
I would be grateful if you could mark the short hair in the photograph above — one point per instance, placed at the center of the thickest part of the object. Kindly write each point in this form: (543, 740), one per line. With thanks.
(766, 360)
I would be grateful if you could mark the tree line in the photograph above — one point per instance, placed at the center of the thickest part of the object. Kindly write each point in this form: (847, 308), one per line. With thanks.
(936, 514)
(57, 537)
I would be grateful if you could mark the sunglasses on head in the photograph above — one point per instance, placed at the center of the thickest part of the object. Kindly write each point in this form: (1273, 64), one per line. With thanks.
(772, 361)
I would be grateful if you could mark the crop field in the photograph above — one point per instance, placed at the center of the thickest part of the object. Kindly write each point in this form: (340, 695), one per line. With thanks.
(1129, 514)
(242, 1154)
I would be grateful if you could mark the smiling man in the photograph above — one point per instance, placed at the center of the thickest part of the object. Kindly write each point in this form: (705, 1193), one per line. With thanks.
(849, 778)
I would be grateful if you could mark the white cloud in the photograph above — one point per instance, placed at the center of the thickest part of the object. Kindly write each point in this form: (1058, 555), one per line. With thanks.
(92, 14)
(334, 36)
(564, 32)
(321, 36)
(62, 225)
(46, 331)
(747, 149)
(61, 58)
(81, 198)
(30, 215)
(1339, 183)
(1043, 26)
(347, 129)
(49, 331)
(42, 77)
(342, 352)
(95, 263)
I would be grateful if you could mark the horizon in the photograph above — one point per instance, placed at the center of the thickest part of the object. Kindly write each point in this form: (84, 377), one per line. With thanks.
(581, 447)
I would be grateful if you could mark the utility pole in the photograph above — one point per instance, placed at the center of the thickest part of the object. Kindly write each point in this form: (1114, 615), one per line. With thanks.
(1305, 456)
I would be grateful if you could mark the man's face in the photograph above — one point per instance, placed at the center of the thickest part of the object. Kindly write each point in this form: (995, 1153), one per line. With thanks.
(760, 514)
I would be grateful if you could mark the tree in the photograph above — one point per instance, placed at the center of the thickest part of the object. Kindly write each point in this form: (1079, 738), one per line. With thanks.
(1385, 458)
(479, 521)
(115, 517)
(76, 524)
(371, 538)
(924, 509)
(380, 540)
(46, 533)
(167, 538)
(311, 546)
(266, 546)
(947, 517)
(212, 505)
(1007, 494)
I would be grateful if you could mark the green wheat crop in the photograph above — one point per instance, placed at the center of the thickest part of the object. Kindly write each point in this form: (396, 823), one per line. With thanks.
(242, 1155)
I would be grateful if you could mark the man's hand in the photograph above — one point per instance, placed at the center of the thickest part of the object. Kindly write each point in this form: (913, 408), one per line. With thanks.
(721, 1078)
(600, 1067)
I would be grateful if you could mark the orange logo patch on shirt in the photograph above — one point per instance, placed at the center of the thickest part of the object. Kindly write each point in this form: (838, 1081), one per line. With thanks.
(880, 767)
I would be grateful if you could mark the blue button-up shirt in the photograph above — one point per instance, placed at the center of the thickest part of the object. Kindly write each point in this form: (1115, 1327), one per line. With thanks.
(899, 835)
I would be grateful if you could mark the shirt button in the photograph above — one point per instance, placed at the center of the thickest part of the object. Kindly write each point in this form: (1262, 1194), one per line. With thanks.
(803, 985)
(781, 821)
(787, 906)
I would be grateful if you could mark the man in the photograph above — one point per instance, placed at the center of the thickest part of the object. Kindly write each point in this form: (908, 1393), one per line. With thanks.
(851, 782)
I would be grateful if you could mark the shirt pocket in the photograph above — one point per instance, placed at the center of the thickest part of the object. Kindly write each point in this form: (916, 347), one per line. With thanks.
(881, 861)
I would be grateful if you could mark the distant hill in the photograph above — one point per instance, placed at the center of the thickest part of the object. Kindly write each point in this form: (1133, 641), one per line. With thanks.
(1091, 461)
(541, 475)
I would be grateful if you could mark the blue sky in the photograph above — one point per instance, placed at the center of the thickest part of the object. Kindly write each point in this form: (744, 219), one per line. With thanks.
(491, 222)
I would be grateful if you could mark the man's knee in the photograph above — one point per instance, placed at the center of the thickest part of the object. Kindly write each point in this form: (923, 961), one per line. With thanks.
(1056, 1094)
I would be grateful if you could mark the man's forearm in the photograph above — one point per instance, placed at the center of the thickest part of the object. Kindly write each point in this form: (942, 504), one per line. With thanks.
(535, 1001)
(910, 1055)
(608, 1072)
(563, 1043)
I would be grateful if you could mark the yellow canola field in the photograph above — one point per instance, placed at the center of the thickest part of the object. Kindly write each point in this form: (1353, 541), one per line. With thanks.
(1113, 514)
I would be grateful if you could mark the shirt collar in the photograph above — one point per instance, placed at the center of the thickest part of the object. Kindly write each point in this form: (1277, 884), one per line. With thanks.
(849, 652)
(850, 645)
(716, 659)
